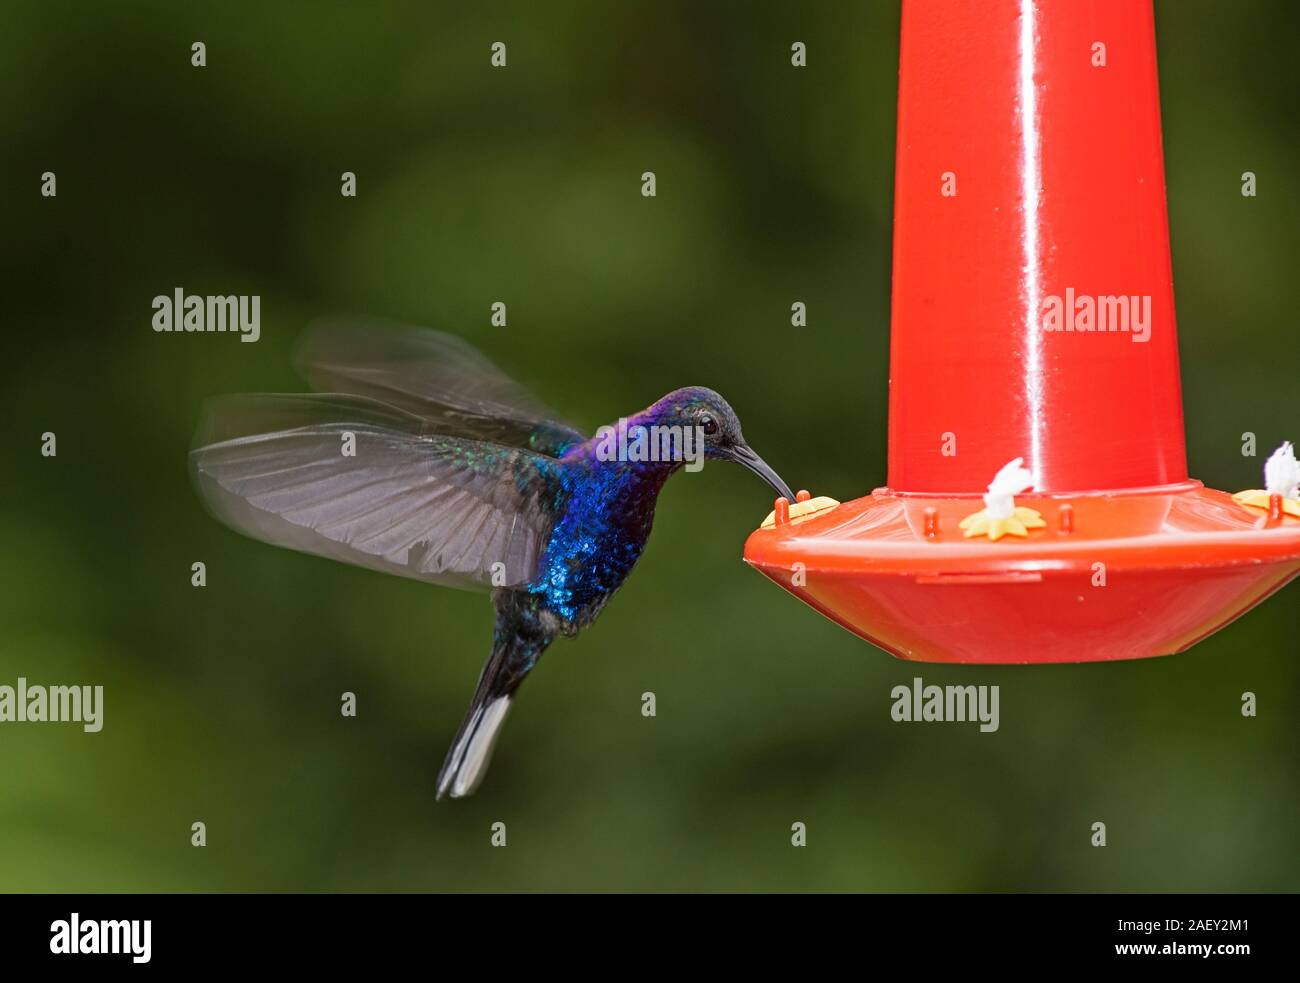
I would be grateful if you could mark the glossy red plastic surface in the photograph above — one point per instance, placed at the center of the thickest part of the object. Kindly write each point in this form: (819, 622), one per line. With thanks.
(1059, 179)
(1057, 168)
(1110, 577)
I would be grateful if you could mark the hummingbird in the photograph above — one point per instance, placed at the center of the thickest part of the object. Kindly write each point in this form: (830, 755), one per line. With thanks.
(415, 455)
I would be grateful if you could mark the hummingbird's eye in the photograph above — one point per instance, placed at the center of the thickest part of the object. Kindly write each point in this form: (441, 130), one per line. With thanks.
(708, 424)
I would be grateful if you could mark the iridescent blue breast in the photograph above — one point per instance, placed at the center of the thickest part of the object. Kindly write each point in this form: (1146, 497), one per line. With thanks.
(596, 540)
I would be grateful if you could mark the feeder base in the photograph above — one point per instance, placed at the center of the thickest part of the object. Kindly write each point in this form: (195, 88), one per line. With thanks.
(1120, 575)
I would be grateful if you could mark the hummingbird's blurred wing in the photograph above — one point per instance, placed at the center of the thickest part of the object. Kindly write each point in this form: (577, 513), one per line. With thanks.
(355, 480)
(436, 376)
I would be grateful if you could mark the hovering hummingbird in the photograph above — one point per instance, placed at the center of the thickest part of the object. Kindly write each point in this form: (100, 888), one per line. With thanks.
(417, 456)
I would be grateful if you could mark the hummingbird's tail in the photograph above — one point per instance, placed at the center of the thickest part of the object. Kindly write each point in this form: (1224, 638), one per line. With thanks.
(515, 650)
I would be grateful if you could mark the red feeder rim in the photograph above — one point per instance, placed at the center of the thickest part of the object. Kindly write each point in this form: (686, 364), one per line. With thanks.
(1033, 317)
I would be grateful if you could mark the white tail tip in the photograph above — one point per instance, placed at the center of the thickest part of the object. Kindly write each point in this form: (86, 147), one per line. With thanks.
(473, 752)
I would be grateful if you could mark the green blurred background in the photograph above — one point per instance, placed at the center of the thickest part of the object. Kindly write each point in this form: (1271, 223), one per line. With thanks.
(522, 185)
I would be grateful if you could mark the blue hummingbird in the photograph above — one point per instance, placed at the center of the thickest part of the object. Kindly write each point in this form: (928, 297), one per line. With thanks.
(417, 456)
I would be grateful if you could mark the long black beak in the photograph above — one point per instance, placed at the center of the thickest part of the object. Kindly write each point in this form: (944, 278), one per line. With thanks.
(744, 454)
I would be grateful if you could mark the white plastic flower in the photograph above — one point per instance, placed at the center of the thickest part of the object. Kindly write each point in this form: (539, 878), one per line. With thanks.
(1011, 481)
(1281, 478)
(1001, 516)
(1282, 472)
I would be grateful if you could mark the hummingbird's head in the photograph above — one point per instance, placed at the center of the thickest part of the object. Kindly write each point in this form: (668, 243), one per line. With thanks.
(716, 423)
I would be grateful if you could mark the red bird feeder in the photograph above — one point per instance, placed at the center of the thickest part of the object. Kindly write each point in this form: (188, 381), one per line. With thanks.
(1033, 317)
